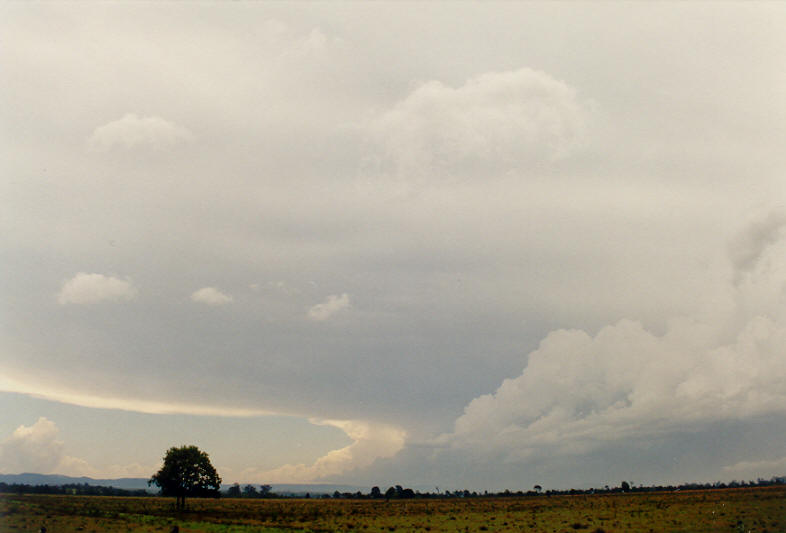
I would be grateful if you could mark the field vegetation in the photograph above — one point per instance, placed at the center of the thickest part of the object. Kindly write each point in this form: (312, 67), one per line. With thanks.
(760, 509)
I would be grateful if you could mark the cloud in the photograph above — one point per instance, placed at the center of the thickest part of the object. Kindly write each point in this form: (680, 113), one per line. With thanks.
(756, 469)
(332, 305)
(95, 288)
(746, 249)
(74, 466)
(459, 283)
(282, 287)
(580, 392)
(211, 296)
(32, 448)
(37, 449)
(140, 405)
(497, 119)
(371, 442)
(132, 131)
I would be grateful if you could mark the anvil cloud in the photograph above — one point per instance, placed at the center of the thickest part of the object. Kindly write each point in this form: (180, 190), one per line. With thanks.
(395, 247)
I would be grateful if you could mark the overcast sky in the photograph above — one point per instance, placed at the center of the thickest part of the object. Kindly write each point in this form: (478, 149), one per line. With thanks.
(472, 245)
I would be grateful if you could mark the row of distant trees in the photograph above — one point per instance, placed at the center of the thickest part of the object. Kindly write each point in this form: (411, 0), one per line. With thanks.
(187, 472)
(398, 492)
(250, 491)
(392, 493)
(72, 488)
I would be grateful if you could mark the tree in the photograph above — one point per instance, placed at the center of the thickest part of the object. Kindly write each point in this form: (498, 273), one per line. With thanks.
(538, 488)
(375, 492)
(187, 472)
(234, 491)
(250, 491)
(625, 486)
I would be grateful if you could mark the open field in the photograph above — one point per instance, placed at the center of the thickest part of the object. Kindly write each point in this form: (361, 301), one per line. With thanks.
(731, 510)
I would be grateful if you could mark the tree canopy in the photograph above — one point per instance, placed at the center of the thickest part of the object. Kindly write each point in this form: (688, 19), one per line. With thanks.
(187, 471)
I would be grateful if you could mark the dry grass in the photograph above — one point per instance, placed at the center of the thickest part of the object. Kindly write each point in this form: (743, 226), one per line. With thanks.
(733, 510)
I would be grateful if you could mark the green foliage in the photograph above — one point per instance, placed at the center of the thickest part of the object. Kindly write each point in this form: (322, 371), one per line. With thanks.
(187, 472)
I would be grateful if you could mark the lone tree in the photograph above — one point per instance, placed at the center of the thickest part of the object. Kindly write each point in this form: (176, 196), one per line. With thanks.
(187, 472)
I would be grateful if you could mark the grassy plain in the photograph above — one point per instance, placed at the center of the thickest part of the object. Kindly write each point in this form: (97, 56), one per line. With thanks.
(731, 510)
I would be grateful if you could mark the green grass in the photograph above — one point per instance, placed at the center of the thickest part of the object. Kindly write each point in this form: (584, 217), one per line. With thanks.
(761, 510)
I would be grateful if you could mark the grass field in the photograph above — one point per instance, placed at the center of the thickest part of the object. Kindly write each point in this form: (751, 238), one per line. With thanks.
(731, 510)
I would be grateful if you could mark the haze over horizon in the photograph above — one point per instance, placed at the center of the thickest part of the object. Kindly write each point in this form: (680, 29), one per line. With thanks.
(471, 245)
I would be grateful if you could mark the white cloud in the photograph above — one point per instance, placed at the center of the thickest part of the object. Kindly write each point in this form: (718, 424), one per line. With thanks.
(32, 449)
(498, 119)
(94, 288)
(371, 441)
(579, 392)
(132, 131)
(40, 390)
(37, 449)
(332, 305)
(211, 296)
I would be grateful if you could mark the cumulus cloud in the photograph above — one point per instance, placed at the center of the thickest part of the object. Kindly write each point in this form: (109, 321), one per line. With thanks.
(371, 442)
(211, 296)
(32, 448)
(332, 305)
(132, 131)
(495, 119)
(579, 392)
(38, 449)
(94, 288)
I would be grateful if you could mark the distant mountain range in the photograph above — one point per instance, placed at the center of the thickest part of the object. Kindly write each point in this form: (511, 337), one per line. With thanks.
(131, 483)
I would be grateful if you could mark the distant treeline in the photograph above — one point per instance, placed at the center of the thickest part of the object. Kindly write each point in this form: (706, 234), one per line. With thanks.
(72, 488)
(392, 493)
(399, 492)
(624, 487)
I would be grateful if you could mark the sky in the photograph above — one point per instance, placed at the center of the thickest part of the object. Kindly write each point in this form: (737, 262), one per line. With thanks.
(465, 245)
